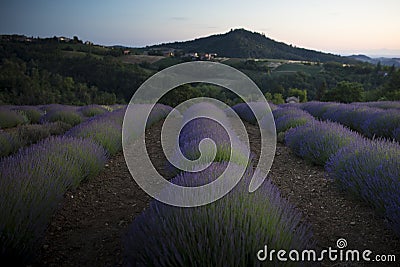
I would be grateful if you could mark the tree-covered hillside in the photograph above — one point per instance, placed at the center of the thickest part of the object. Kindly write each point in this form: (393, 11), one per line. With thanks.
(40, 71)
(245, 44)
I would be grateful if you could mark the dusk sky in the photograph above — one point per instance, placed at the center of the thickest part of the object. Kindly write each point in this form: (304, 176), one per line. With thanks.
(344, 27)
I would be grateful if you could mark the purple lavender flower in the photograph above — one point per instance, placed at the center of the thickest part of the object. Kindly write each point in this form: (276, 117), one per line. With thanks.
(92, 110)
(288, 117)
(11, 118)
(245, 112)
(369, 121)
(381, 124)
(105, 129)
(33, 113)
(370, 169)
(67, 114)
(239, 224)
(217, 129)
(317, 141)
(381, 104)
(32, 182)
(317, 109)
(9, 143)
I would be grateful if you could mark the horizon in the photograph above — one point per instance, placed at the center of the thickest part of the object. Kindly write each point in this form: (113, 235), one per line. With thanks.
(342, 28)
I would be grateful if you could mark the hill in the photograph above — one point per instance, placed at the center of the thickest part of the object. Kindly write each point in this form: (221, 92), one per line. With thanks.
(241, 43)
(69, 71)
(383, 60)
(64, 70)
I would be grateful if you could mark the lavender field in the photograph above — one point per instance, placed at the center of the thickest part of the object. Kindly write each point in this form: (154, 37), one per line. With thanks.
(49, 150)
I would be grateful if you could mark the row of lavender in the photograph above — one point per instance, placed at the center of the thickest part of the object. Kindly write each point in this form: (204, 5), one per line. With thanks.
(367, 168)
(227, 232)
(369, 119)
(12, 116)
(34, 180)
(35, 123)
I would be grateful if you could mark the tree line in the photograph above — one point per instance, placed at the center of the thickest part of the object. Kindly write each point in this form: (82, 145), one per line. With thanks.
(77, 73)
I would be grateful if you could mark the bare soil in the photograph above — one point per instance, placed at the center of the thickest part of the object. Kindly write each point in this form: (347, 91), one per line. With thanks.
(87, 229)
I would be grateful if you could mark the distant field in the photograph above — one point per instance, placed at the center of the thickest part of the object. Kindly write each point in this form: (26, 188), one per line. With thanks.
(134, 59)
(238, 60)
(294, 67)
(71, 54)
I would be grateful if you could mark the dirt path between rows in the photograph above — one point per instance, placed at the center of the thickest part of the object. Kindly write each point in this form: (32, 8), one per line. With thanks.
(87, 229)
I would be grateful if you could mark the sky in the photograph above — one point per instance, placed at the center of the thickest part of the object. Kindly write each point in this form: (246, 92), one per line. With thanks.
(370, 27)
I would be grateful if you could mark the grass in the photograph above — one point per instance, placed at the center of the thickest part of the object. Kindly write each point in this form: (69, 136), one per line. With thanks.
(295, 67)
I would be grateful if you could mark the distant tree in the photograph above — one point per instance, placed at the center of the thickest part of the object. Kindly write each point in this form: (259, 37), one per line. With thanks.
(392, 69)
(345, 92)
(76, 40)
(321, 90)
(268, 96)
(180, 94)
(378, 66)
(105, 98)
(301, 94)
(391, 89)
(278, 99)
(278, 89)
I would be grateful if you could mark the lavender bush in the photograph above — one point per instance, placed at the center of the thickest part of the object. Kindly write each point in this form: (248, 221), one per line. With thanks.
(317, 141)
(9, 143)
(369, 121)
(54, 107)
(370, 169)
(105, 130)
(227, 232)
(382, 124)
(158, 113)
(382, 104)
(245, 113)
(92, 110)
(116, 107)
(200, 128)
(57, 128)
(65, 114)
(11, 118)
(352, 116)
(29, 134)
(31, 184)
(33, 113)
(290, 117)
(289, 121)
(286, 110)
(317, 109)
(396, 134)
(32, 133)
